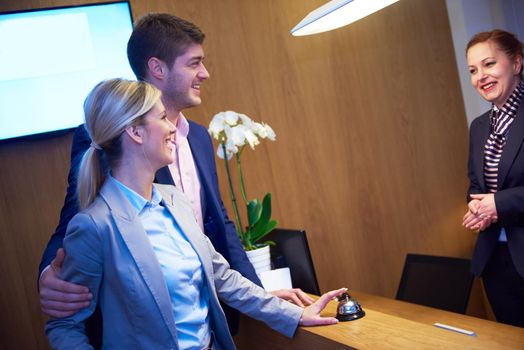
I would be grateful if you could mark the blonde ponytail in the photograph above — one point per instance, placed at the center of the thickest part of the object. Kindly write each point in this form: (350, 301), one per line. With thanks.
(111, 107)
(90, 177)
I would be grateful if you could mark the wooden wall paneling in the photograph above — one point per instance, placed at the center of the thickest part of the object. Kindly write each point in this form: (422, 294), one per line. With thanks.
(360, 115)
(33, 182)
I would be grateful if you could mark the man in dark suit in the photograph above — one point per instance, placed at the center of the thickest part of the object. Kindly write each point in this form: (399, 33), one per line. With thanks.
(167, 52)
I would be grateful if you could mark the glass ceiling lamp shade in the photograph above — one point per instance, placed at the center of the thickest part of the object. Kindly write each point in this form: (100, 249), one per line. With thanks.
(336, 14)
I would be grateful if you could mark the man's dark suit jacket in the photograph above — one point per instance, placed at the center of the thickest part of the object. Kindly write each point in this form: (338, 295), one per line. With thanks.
(509, 198)
(217, 226)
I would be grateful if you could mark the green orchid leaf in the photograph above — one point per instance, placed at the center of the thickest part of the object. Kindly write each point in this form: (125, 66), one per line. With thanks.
(263, 231)
(257, 228)
(263, 244)
(266, 208)
(254, 210)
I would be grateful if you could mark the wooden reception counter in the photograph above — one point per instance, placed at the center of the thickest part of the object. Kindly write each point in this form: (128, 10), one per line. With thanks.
(388, 324)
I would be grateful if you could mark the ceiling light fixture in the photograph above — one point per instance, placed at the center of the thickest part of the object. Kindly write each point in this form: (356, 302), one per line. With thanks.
(336, 14)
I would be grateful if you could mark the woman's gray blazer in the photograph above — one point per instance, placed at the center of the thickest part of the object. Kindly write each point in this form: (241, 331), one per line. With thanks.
(108, 251)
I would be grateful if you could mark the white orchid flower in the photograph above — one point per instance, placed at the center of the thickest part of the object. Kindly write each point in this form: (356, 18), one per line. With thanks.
(260, 130)
(217, 125)
(231, 118)
(251, 138)
(230, 150)
(220, 153)
(246, 121)
(270, 133)
(237, 130)
(236, 135)
(231, 147)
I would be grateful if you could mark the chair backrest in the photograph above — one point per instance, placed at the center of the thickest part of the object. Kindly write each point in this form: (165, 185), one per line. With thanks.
(436, 281)
(292, 250)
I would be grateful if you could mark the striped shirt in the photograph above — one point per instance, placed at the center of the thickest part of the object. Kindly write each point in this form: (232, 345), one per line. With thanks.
(501, 120)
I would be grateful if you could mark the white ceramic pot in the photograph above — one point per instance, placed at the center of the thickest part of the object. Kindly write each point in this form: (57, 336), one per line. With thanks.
(260, 259)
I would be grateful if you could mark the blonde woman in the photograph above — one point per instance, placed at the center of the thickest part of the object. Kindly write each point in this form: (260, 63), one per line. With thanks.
(138, 248)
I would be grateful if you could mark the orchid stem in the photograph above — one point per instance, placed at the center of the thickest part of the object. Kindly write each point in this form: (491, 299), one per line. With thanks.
(238, 223)
(241, 178)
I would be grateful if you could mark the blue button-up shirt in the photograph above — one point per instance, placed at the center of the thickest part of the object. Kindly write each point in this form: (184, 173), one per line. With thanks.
(180, 265)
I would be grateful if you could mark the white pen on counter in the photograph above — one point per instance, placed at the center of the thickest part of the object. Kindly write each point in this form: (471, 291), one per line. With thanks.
(454, 329)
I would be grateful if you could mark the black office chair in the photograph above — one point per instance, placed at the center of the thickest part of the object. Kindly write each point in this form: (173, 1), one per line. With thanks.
(436, 281)
(292, 250)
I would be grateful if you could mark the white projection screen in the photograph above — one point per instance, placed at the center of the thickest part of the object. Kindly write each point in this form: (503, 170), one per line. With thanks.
(51, 58)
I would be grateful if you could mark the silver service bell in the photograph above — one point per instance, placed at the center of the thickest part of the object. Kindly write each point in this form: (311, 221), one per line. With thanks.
(348, 309)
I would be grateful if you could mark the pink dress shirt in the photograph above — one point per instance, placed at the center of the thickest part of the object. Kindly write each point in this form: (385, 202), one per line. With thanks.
(183, 169)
